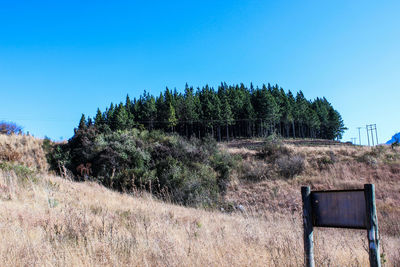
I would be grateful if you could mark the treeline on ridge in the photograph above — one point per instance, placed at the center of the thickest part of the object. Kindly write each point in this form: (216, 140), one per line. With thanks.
(228, 112)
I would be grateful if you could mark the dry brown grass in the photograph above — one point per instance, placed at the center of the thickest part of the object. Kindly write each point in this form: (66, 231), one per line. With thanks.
(50, 221)
(56, 222)
(326, 167)
(26, 150)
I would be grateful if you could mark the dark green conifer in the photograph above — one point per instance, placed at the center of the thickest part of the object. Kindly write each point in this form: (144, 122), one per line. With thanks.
(82, 123)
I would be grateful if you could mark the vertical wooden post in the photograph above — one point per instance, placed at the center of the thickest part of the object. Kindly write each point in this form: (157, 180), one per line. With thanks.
(372, 226)
(307, 227)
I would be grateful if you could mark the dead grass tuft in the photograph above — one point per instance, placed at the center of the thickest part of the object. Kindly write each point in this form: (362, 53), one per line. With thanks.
(24, 150)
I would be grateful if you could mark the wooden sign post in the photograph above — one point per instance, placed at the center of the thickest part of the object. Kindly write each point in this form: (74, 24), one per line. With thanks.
(341, 209)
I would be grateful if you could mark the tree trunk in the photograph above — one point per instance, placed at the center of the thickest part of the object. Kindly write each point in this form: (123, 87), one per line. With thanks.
(227, 131)
(294, 129)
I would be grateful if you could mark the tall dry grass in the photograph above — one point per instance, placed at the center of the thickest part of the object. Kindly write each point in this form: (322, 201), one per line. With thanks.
(50, 221)
(55, 222)
(23, 149)
(334, 167)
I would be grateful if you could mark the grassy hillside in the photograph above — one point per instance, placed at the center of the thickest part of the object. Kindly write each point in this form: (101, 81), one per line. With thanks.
(23, 149)
(50, 221)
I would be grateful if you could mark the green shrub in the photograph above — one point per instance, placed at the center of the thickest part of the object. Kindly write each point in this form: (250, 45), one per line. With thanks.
(57, 155)
(254, 170)
(273, 149)
(189, 172)
(368, 159)
(23, 173)
(326, 160)
(223, 163)
(289, 166)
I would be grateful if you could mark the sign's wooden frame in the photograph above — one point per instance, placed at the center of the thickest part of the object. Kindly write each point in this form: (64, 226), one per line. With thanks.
(370, 222)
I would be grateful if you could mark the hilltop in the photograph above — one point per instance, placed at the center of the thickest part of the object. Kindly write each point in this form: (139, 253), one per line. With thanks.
(49, 220)
(395, 138)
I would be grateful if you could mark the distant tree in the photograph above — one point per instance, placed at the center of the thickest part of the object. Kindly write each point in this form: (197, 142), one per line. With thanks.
(272, 111)
(149, 111)
(82, 123)
(292, 106)
(172, 121)
(109, 114)
(226, 115)
(286, 113)
(120, 119)
(301, 113)
(98, 120)
(128, 104)
(208, 109)
(247, 113)
(335, 125)
(131, 117)
(189, 112)
(216, 114)
(10, 128)
(161, 112)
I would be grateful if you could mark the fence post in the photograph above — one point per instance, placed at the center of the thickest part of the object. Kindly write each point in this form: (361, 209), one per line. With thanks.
(372, 226)
(307, 227)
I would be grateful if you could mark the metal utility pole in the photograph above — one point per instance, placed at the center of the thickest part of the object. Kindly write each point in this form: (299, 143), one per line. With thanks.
(359, 135)
(372, 137)
(372, 128)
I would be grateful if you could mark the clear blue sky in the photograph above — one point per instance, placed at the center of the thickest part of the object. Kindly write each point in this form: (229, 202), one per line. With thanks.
(59, 59)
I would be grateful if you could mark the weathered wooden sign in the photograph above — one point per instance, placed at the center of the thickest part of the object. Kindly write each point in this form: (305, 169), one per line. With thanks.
(343, 209)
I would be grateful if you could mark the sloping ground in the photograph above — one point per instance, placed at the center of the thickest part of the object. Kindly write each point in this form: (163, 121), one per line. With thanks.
(23, 149)
(50, 221)
(326, 167)
(257, 143)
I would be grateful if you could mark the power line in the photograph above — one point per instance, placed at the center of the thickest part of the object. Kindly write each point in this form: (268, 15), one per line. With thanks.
(46, 120)
(359, 135)
(372, 128)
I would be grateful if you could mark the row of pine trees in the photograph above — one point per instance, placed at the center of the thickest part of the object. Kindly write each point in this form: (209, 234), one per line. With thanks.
(231, 111)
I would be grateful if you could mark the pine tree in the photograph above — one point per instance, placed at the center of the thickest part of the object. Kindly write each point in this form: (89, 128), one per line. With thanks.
(190, 114)
(82, 123)
(293, 108)
(172, 121)
(128, 103)
(286, 113)
(120, 118)
(272, 111)
(301, 112)
(226, 115)
(98, 120)
(109, 114)
(131, 117)
(216, 114)
(247, 114)
(150, 110)
(161, 112)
